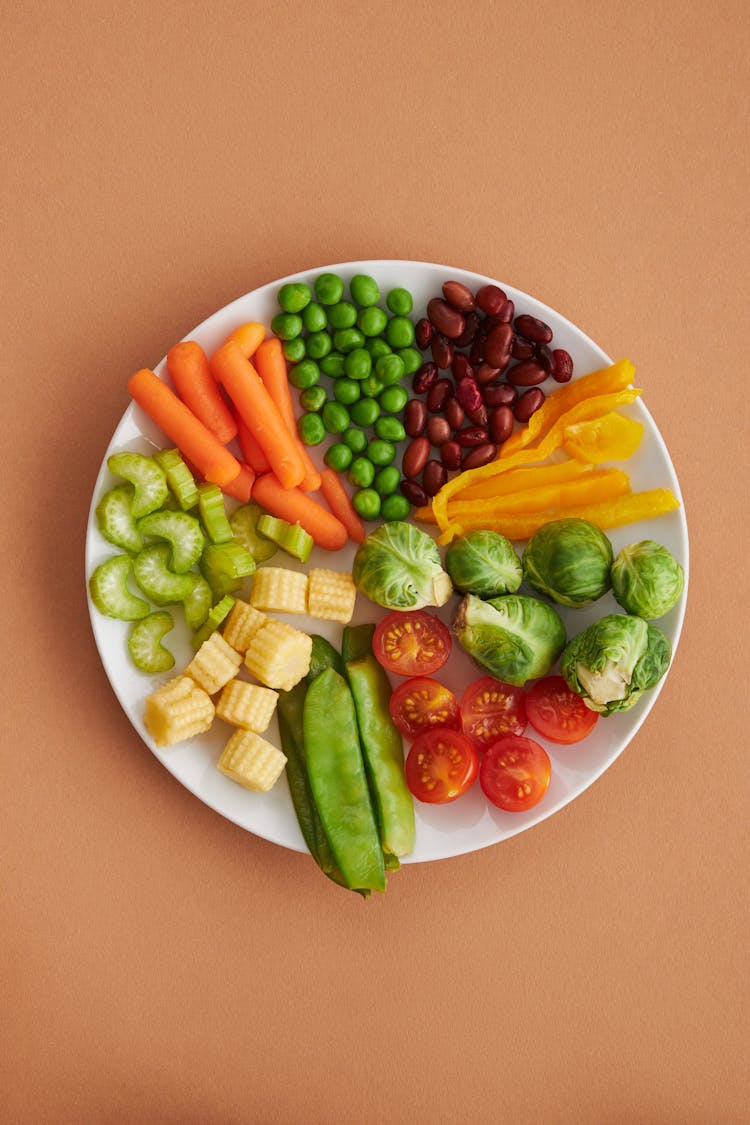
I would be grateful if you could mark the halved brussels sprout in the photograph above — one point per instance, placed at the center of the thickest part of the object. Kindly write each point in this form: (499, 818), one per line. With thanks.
(514, 638)
(614, 661)
(647, 579)
(398, 566)
(569, 560)
(483, 563)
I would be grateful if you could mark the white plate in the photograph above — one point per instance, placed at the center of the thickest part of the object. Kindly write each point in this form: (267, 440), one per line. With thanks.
(471, 822)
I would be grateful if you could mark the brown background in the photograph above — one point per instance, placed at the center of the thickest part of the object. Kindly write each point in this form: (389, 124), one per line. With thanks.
(159, 964)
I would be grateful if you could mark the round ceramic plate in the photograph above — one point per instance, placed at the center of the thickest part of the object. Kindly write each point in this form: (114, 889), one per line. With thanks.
(470, 822)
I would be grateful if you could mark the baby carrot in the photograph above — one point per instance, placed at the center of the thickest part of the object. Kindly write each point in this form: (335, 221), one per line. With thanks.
(178, 422)
(189, 370)
(337, 499)
(271, 366)
(259, 412)
(242, 486)
(294, 506)
(251, 451)
(248, 336)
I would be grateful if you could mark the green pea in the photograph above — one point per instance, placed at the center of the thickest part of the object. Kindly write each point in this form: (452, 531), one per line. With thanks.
(311, 429)
(338, 457)
(395, 507)
(318, 344)
(332, 365)
(355, 439)
(390, 369)
(393, 399)
(390, 429)
(377, 347)
(372, 386)
(329, 288)
(387, 480)
(358, 364)
(364, 290)
(412, 360)
(342, 315)
(347, 339)
(381, 452)
(366, 503)
(294, 350)
(314, 398)
(361, 472)
(346, 391)
(314, 318)
(294, 296)
(399, 332)
(365, 412)
(304, 374)
(372, 321)
(287, 326)
(335, 417)
(399, 301)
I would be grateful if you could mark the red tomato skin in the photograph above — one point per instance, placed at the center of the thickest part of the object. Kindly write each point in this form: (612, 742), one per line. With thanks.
(413, 643)
(485, 724)
(440, 766)
(421, 703)
(557, 713)
(515, 773)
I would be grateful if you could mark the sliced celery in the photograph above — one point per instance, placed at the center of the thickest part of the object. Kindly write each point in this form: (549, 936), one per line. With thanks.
(158, 582)
(198, 602)
(114, 517)
(147, 478)
(244, 524)
(289, 536)
(182, 532)
(144, 643)
(213, 513)
(109, 591)
(215, 617)
(224, 565)
(179, 478)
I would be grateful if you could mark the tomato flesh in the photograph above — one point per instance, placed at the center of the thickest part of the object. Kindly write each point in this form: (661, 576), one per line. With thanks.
(411, 644)
(515, 773)
(558, 713)
(422, 703)
(490, 709)
(440, 766)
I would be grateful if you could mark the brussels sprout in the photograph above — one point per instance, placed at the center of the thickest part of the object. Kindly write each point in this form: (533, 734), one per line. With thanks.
(399, 567)
(614, 661)
(569, 560)
(514, 638)
(647, 579)
(483, 563)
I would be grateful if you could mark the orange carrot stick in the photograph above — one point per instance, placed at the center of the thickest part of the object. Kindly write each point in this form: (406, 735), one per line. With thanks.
(178, 422)
(241, 488)
(294, 506)
(189, 370)
(259, 412)
(248, 336)
(337, 499)
(271, 366)
(251, 451)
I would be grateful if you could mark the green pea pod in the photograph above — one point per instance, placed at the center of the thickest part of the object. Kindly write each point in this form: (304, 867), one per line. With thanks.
(382, 745)
(339, 782)
(323, 656)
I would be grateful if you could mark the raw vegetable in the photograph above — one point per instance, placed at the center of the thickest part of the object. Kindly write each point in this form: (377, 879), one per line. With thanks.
(515, 638)
(224, 565)
(440, 766)
(198, 602)
(297, 507)
(114, 518)
(144, 643)
(515, 773)
(422, 703)
(147, 478)
(483, 563)
(241, 488)
(183, 533)
(190, 372)
(647, 579)
(179, 477)
(292, 538)
(491, 709)
(244, 524)
(569, 560)
(609, 438)
(152, 573)
(213, 513)
(398, 566)
(337, 499)
(557, 712)
(271, 366)
(323, 655)
(251, 450)
(215, 617)
(614, 661)
(109, 591)
(411, 643)
(249, 336)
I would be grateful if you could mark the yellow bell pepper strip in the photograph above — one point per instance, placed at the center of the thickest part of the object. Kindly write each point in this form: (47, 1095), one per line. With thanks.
(424, 515)
(606, 381)
(609, 438)
(594, 488)
(518, 479)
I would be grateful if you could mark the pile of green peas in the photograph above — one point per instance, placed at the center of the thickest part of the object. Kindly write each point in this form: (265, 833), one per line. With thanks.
(366, 353)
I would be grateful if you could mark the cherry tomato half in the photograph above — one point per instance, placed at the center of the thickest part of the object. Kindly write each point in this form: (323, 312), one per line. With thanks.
(557, 712)
(440, 766)
(421, 704)
(490, 709)
(515, 773)
(414, 643)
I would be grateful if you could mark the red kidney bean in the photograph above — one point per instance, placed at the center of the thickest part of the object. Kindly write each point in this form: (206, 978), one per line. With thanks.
(499, 394)
(544, 357)
(459, 295)
(491, 299)
(501, 424)
(533, 329)
(507, 314)
(486, 373)
(527, 373)
(425, 378)
(414, 493)
(446, 319)
(522, 349)
(454, 412)
(470, 331)
(450, 454)
(438, 430)
(423, 332)
(415, 417)
(415, 456)
(438, 395)
(497, 348)
(482, 455)
(468, 393)
(528, 404)
(460, 367)
(442, 351)
(478, 416)
(476, 352)
(471, 437)
(434, 477)
(562, 372)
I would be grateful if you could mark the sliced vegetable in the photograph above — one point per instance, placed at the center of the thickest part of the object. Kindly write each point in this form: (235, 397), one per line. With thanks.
(491, 709)
(297, 507)
(198, 602)
(224, 565)
(109, 591)
(148, 480)
(144, 643)
(558, 713)
(215, 617)
(290, 537)
(152, 573)
(515, 773)
(589, 488)
(114, 518)
(179, 478)
(213, 513)
(194, 382)
(412, 643)
(609, 438)
(244, 524)
(183, 533)
(422, 703)
(440, 766)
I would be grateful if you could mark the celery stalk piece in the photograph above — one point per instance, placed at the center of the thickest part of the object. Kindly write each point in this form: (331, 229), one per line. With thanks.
(147, 478)
(216, 616)
(289, 536)
(144, 643)
(182, 532)
(114, 518)
(244, 524)
(213, 513)
(109, 591)
(156, 580)
(179, 478)
(224, 565)
(198, 602)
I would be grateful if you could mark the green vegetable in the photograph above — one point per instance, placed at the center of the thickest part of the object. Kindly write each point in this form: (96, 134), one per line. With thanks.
(366, 502)
(381, 452)
(329, 288)
(365, 411)
(347, 339)
(389, 369)
(372, 386)
(377, 347)
(114, 518)
(395, 507)
(305, 374)
(342, 315)
(216, 615)
(346, 391)
(318, 345)
(294, 296)
(197, 604)
(387, 480)
(311, 428)
(390, 429)
(287, 326)
(224, 565)
(154, 577)
(358, 363)
(323, 655)
(338, 457)
(371, 321)
(244, 524)
(393, 399)
(144, 643)
(314, 399)
(569, 560)
(364, 290)
(411, 359)
(294, 350)
(149, 481)
(355, 439)
(614, 661)
(292, 538)
(647, 579)
(514, 638)
(110, 593)
(314, 318)
(179, 478)
(182, 531)
(213, 513)
(335, 417)
(361, 472)
(483, 563)
(400, 332)
(398, 566)
(332, 365)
